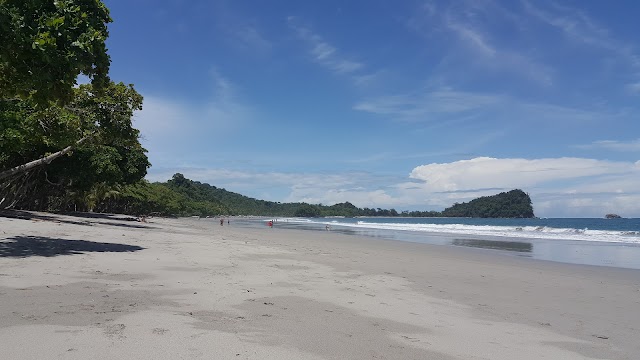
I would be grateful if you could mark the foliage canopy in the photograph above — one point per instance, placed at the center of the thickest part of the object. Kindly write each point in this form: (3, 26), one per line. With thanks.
(112, 154)
(44, 116)
(47, 44)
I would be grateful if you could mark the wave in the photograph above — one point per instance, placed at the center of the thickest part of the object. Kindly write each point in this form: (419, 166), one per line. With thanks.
(529, 232)
(536, 232)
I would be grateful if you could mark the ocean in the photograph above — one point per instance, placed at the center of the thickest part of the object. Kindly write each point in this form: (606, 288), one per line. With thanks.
(603, 242)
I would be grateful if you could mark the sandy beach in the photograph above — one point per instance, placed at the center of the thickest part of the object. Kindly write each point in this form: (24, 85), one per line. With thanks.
(105, 287)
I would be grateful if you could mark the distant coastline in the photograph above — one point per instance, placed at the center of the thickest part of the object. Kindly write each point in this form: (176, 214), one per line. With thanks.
(181, 197)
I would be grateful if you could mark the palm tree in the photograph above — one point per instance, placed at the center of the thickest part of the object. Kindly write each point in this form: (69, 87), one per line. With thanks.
(99, 193)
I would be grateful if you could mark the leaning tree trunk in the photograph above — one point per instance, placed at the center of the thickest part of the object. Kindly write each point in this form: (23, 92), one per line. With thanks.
(42, 161)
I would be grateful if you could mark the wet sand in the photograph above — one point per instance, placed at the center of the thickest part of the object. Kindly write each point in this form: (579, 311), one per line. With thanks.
(104, 287)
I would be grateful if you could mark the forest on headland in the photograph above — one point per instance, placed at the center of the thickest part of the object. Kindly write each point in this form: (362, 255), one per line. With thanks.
(66, 147)
(180, 196)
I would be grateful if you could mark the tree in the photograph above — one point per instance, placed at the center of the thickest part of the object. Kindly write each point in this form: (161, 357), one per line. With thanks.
(94, 126)
(179, 180)
(307, 210)
(46, 44)
(29, 131)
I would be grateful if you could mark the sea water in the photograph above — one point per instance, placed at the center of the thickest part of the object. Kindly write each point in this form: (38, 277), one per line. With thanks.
(606, 242)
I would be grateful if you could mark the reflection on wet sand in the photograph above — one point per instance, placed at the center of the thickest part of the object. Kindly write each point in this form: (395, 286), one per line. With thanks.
(495, 244)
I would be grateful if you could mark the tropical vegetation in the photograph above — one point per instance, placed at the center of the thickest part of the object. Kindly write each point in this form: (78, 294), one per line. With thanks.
(60, 142)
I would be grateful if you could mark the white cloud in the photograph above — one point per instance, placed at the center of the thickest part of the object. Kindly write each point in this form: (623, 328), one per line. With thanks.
(616, 145)
(471, 45)
(496, 58)
(425, 106)
(485, 172)
(474, 31)
(241, 31)
(323, 52)
(250, 38)
(371, 80)
(634, 88)
(579, 28)
(473, 38)
(447, 104)
(575, 24)
(224, 89)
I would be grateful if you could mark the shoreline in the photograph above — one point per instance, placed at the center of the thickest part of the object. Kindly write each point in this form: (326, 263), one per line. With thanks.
(188, 288)
(581, 252)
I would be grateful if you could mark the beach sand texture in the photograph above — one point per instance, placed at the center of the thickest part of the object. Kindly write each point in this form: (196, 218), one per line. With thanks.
(107, 288)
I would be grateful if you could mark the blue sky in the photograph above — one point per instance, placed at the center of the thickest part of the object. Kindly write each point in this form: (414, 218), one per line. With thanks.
(412, 105)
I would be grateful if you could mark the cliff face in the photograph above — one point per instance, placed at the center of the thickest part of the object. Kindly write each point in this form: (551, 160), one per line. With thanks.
(512, 204)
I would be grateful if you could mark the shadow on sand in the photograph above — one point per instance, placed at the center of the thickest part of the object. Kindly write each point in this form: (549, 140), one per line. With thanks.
(76, 218)
(26, 246)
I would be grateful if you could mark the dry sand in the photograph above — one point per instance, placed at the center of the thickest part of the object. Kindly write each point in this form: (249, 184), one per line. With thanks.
(103, 288)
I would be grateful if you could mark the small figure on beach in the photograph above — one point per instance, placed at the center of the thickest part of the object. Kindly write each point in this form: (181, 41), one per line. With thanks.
(221, 222)
(327, 227)
(270, 223)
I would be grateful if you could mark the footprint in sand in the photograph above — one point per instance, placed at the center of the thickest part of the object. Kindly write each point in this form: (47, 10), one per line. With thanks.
(159, 331)
(411, 339)
(115, 330)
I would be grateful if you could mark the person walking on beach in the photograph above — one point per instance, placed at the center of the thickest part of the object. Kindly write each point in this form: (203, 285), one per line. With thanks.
(221, 222)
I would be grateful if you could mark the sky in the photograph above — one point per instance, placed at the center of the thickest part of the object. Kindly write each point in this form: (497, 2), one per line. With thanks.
(411, 105)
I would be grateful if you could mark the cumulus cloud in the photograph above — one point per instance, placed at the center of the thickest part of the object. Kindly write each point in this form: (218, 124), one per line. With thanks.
(491, 172)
